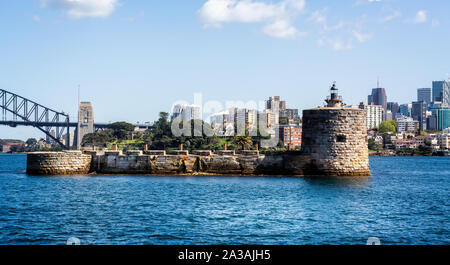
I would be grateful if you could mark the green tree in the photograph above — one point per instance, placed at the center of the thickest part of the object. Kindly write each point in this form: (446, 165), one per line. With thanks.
(148, 138)
(243, 141)
(138, 136)
(387, 127)
(121, 130)
(31, 142)
(372, 145)
(162, 126)
(100, 138)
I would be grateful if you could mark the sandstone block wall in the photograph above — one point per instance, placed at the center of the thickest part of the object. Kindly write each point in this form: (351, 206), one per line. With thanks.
(334, 141)
(288, 163)
(58, 163)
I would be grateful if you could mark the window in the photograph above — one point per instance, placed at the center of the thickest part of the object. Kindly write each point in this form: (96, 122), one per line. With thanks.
(341, 138)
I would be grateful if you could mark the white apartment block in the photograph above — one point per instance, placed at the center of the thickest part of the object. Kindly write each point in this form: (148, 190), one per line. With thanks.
(444, 141)
(244, 116)
(186, 112)
(406, 124)
(374, 114)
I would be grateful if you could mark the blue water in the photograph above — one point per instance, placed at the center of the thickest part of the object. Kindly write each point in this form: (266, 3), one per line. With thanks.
(405, 201)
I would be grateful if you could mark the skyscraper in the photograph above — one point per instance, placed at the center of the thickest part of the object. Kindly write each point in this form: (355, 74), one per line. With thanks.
(424, 94)
(405, 109)
(441, 92)
(394, 108)
(442, 115)
(419, 113)
(378, 97)
(446, 94)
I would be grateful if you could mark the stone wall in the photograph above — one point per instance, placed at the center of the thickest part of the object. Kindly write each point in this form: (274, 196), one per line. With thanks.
(58, 163)
(335, 142)
(281, 163)
(292, 163)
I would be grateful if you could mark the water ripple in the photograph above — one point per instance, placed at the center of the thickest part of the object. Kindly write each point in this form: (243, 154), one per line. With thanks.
(405, 201)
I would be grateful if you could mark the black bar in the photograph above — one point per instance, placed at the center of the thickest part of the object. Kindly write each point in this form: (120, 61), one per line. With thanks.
(230, 254)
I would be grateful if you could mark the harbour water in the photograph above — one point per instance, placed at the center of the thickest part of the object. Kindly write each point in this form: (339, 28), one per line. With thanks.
(405, 201)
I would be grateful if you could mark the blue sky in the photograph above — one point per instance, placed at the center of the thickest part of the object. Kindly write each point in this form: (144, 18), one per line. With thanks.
(136, 58)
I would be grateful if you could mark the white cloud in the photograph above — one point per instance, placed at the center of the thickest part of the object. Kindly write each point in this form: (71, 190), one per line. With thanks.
(393, 16)
(277, 16)
(318, 17)
(83, 8)
(339, 45)
(421, 17)
(340, 36)
(281, 29)
(336, 44)
(361, 37)
(362, 2)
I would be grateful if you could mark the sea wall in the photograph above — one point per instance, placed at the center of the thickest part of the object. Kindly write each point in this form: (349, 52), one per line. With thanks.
(58, 163)
(246, 163)
(291, 163)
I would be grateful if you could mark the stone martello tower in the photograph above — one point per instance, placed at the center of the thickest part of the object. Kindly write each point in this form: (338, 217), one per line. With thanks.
(334, 140)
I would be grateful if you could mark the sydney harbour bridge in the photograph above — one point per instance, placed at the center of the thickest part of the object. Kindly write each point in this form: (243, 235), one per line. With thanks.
(20, 111)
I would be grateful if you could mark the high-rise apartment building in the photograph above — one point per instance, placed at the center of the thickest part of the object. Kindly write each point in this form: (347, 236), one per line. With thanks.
(275, 104)
(374, 114)
(291, 135)
(276, 108)
(271, 117)
(407, 124)
(185, 112)
(291, 114)
(221, 119)
(246, 117)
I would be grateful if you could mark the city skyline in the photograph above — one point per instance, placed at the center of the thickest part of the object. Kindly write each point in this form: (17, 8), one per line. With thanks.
(133, 59)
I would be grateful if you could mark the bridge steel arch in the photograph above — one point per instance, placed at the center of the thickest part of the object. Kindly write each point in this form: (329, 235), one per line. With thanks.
(23, 111)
